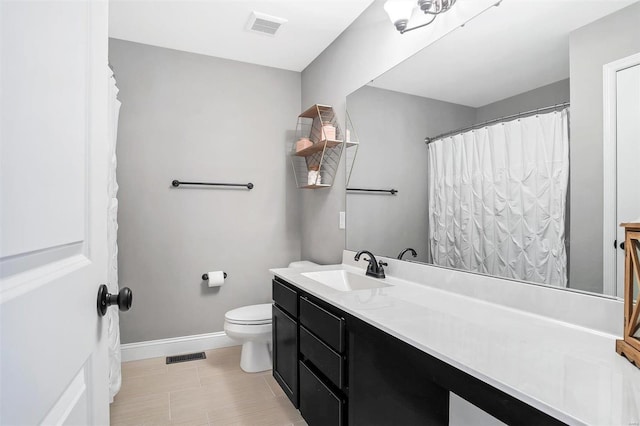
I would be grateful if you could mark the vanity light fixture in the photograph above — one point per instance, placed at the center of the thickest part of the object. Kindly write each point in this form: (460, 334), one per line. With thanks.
(401, 11)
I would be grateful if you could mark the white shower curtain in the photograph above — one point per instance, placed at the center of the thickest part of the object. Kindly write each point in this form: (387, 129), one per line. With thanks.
(497, 199)
(112, 317)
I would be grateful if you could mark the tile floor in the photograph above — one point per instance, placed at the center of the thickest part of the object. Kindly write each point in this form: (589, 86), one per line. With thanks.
(213, 391)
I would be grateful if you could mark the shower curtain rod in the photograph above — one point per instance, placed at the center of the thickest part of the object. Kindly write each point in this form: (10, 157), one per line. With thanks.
(428, 140)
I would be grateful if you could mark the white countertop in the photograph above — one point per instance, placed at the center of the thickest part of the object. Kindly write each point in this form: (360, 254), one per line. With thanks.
(570, 372)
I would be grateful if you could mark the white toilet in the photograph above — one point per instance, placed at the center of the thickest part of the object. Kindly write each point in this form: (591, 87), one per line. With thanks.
(251, 325)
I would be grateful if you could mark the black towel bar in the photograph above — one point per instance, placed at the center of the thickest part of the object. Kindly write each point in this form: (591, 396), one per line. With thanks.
(390, 191)
(176, 183)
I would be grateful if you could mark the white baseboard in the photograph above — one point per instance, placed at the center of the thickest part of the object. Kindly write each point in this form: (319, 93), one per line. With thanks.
(175, 346)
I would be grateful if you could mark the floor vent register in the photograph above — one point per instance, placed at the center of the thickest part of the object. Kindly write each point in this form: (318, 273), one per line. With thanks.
(184, 358)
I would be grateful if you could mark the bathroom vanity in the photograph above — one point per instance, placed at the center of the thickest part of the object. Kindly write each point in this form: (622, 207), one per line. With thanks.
(393, 353)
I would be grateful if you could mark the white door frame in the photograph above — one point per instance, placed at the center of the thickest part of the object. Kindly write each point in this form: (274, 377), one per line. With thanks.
(609, 150)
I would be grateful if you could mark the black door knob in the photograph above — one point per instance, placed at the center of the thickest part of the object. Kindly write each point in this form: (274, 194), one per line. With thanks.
(123, 299)
(622, 245)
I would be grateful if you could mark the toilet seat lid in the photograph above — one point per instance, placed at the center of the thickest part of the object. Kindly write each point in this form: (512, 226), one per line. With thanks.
(253, 314)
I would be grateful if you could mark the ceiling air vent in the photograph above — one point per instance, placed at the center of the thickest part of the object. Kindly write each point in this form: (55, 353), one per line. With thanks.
(264, 24)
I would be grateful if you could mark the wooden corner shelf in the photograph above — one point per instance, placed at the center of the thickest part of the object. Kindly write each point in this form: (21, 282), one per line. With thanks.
(316, 110)
(316, 186)
(317, 147)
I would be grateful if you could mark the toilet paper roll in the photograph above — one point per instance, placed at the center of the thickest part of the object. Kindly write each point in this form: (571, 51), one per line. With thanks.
(216, 278)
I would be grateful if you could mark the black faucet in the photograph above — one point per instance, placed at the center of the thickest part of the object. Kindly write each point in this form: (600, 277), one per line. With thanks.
(402, 253)
(375, 269)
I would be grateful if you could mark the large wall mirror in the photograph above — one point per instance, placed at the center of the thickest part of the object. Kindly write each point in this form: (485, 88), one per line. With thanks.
(510, 182)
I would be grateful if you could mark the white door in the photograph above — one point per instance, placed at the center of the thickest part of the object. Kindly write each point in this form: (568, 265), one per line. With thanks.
(628, 154)
(53, 205)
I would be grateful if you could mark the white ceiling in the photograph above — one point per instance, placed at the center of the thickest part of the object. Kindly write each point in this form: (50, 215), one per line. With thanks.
(217, 27)
(510, 49)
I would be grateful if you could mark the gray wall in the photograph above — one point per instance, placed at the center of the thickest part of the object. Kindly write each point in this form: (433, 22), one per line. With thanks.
(192, 117)
(551, 94)
(366, 49)
(392, 127)
(606, 40)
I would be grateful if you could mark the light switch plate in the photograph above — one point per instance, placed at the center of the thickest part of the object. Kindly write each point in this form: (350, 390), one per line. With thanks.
(342, 220)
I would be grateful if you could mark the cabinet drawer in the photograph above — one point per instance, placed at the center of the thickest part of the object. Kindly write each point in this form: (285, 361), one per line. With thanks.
(327, 326)
(318, 404)
(325, 359)
(286, 298)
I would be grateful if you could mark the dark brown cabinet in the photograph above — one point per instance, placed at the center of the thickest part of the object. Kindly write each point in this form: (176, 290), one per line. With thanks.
(322, 363)
(327, 325)
(309, 354)
(388, 383)
(325, 359)
(320, 405)
(285, 340)
(339, 370)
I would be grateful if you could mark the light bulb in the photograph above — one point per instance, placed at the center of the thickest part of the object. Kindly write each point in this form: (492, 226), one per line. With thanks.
(425, 5)
(399, 12)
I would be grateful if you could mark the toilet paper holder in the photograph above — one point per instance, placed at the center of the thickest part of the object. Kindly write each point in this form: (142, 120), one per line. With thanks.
(205, 277)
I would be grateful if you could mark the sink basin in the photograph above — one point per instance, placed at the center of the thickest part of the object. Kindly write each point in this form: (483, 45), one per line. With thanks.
(345, 281)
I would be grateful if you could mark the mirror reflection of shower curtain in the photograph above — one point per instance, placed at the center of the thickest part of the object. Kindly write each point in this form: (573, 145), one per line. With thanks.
(497, 199)
(112, 317)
